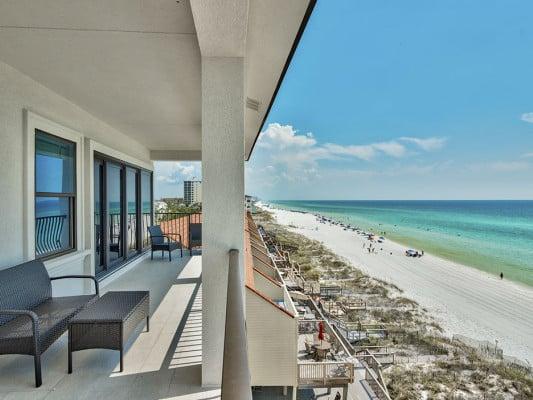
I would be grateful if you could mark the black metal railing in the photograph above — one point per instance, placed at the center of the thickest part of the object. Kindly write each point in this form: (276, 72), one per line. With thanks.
(48, 232)
(146, 221)
(171, 223)
(131, 229)
(114, 231)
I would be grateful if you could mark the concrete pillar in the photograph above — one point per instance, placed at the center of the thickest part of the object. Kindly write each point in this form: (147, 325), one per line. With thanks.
(222, 198)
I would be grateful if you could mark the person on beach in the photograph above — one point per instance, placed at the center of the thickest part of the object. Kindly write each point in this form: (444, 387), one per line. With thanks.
(501, 275)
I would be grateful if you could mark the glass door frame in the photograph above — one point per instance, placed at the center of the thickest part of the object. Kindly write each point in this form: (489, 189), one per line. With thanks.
(100, 258)
(138, 209)
(108, 266)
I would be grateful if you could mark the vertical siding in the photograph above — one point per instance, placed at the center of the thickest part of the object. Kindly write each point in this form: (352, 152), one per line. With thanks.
(272, 343)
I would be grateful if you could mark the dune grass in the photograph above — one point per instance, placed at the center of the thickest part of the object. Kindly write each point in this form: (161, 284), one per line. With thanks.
(430, 365)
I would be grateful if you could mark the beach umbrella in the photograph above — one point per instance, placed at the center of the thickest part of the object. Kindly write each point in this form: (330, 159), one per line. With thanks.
(320, 331)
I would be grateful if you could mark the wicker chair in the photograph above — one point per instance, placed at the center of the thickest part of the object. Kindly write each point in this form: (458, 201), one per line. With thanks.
(163, 242)
(30, 318)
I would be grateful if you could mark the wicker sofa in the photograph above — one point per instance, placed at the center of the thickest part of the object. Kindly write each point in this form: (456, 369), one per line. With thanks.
(30, 318)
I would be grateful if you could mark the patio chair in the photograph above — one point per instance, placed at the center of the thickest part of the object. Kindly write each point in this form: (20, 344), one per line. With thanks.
(309, 349)
(195, 236)
(163, 242)
(31, 320)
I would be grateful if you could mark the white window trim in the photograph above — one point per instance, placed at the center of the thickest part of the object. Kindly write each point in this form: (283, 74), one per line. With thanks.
(32, 122)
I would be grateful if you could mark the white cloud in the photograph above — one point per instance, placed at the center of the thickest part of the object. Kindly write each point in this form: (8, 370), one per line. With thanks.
(362, 152)
(527, 155)
(527, 117)
(392, 148)
(427, 144)
(284, 136)
(175, 172)
(369, 151)
(295, 157)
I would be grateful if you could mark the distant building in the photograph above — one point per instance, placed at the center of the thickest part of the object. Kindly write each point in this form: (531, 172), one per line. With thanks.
(192, 192)
(249, 202)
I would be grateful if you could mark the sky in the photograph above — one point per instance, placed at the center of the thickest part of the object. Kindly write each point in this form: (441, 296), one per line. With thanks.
(403, 100)
(169, 177)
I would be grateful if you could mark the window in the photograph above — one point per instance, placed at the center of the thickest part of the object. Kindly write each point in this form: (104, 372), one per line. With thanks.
(55, 195)
(120, 220)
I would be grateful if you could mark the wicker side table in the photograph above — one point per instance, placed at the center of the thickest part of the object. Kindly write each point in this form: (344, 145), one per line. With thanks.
(108, 322)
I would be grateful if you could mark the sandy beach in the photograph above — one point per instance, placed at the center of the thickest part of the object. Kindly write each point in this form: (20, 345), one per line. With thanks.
(462, 299)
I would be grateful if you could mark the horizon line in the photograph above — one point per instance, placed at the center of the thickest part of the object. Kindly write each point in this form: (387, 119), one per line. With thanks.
(394, 199)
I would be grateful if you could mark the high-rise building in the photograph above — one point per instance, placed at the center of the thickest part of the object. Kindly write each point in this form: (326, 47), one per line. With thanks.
(192, 192)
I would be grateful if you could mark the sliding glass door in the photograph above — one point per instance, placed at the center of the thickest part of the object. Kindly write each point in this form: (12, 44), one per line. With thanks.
(146, 207)
(118, 191)
(132, 209)
(114, 208)
(99, 253)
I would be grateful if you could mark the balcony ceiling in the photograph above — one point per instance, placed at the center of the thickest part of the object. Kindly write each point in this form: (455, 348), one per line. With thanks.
(136, 64)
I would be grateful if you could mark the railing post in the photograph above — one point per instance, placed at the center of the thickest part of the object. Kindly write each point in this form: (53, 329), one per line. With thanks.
(236, 384)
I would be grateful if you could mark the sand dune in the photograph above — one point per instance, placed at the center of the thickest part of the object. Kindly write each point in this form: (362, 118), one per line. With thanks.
(463, 300)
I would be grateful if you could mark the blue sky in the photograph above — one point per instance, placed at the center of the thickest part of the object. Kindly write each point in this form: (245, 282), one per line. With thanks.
(410, 99)
(403, 100)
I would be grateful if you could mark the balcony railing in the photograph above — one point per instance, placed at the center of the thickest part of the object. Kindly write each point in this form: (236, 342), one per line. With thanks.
(178, 223)
(373, 375)
(48, 232)
(327, 373)
(131, 228)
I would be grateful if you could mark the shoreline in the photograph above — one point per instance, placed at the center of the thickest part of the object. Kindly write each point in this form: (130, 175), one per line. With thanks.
(464, 300)
(458, 247)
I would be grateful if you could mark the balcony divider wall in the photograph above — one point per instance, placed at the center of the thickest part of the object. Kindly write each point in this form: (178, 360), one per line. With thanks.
(123, 207)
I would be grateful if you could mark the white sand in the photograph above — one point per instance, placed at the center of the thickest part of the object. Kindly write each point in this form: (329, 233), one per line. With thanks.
(462, 299)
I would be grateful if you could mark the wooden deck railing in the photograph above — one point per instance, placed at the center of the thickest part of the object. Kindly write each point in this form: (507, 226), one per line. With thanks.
(373, 375)
(371, 365)
(325, 373)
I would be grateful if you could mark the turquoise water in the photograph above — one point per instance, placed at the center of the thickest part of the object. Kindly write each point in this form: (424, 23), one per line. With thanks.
(493, 236)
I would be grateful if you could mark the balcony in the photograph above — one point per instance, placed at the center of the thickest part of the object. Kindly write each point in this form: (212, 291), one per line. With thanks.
(164, 363)
(89, 102)
(319, 363)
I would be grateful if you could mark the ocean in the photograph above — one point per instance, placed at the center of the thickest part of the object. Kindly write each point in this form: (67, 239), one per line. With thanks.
(493, 236)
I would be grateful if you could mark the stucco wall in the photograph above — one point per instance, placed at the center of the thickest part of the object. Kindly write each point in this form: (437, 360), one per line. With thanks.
(17, 93)
(222, 198)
